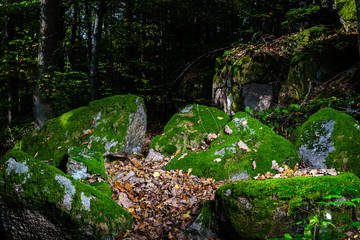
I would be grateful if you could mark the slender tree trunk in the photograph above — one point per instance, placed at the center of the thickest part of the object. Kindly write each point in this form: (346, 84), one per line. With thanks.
(358, 18)
(50, 33)
(12, 79)
(74, 28)
(88, 25)
(95, 51)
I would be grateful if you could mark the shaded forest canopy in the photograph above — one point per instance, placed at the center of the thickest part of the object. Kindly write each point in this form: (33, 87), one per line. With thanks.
(152, 48)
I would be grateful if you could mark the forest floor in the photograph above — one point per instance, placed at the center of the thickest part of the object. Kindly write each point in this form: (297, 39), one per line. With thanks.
(162, 203)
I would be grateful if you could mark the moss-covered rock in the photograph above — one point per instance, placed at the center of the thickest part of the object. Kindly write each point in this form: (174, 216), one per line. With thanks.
(189, 128)
(255, 209)
(248, 151)
(115, 124)
(330, 139)
(347, 14)
(90, 163)
(38, 201)
(235, 73)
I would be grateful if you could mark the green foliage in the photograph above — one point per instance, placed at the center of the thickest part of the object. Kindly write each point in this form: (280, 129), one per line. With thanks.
(322, 221)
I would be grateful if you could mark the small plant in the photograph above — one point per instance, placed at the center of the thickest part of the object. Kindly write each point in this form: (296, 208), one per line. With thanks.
(319, 224)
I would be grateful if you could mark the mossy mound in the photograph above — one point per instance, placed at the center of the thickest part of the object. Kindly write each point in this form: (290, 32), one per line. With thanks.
(101, 126)
(225, 159)
(266, 209)
(330, 139)
(347, 13)
(189, 128)
(35, 196)
(93, 161)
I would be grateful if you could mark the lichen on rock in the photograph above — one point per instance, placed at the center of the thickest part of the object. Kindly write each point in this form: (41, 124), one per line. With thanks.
(329, 139)
(83, 162)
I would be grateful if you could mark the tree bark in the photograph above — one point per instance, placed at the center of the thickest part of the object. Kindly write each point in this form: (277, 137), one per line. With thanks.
(50, 34)
(12, 79)
(95, 51)
(358, 18)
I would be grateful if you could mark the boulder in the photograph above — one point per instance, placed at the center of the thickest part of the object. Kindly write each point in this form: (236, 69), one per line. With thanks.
(329, 139)
(347, 13)
(82, 162)
(38, 201)
(114, 124)
(243, 148)
(256, 209)
(249, 80)
(189, 128)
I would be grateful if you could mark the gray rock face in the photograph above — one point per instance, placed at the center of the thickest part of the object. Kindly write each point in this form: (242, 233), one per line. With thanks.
(196, 231)
(77, 170)
(315, 154)
(136, 130)
(258, 96)
(329, 139)
(154, 156)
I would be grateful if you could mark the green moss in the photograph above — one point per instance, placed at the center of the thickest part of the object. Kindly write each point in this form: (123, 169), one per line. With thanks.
(347, 12)
(345, 137)
(261, 209)
(46, 189)
(265, 146)
(94, 161)
(189, 128)
(101, 126)
(102, 187)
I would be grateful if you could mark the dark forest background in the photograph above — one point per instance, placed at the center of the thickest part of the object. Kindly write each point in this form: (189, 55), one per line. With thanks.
(59, 55)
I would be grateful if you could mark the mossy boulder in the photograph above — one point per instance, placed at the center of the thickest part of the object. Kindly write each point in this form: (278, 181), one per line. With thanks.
(114, 124)
(234, 73)
(83, 162)
(330, 139)
(38, 201)
(189, 128)
(347, 14)
(247, 152)
(255, 209)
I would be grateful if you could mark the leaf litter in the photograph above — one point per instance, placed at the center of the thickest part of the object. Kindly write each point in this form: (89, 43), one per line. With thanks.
(162, 203)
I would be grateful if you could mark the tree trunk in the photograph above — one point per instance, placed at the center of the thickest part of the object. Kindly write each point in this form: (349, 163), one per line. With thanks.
(95, 51)
(12, 79)
(50, 34)
(358, 18)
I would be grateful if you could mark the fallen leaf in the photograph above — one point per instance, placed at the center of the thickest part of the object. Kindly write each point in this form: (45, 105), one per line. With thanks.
(191, 124)
(228, 130)
(217, 160)
(220, 118)
(131, 210)
(242, 145)
(156, 174)
(186, 215)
